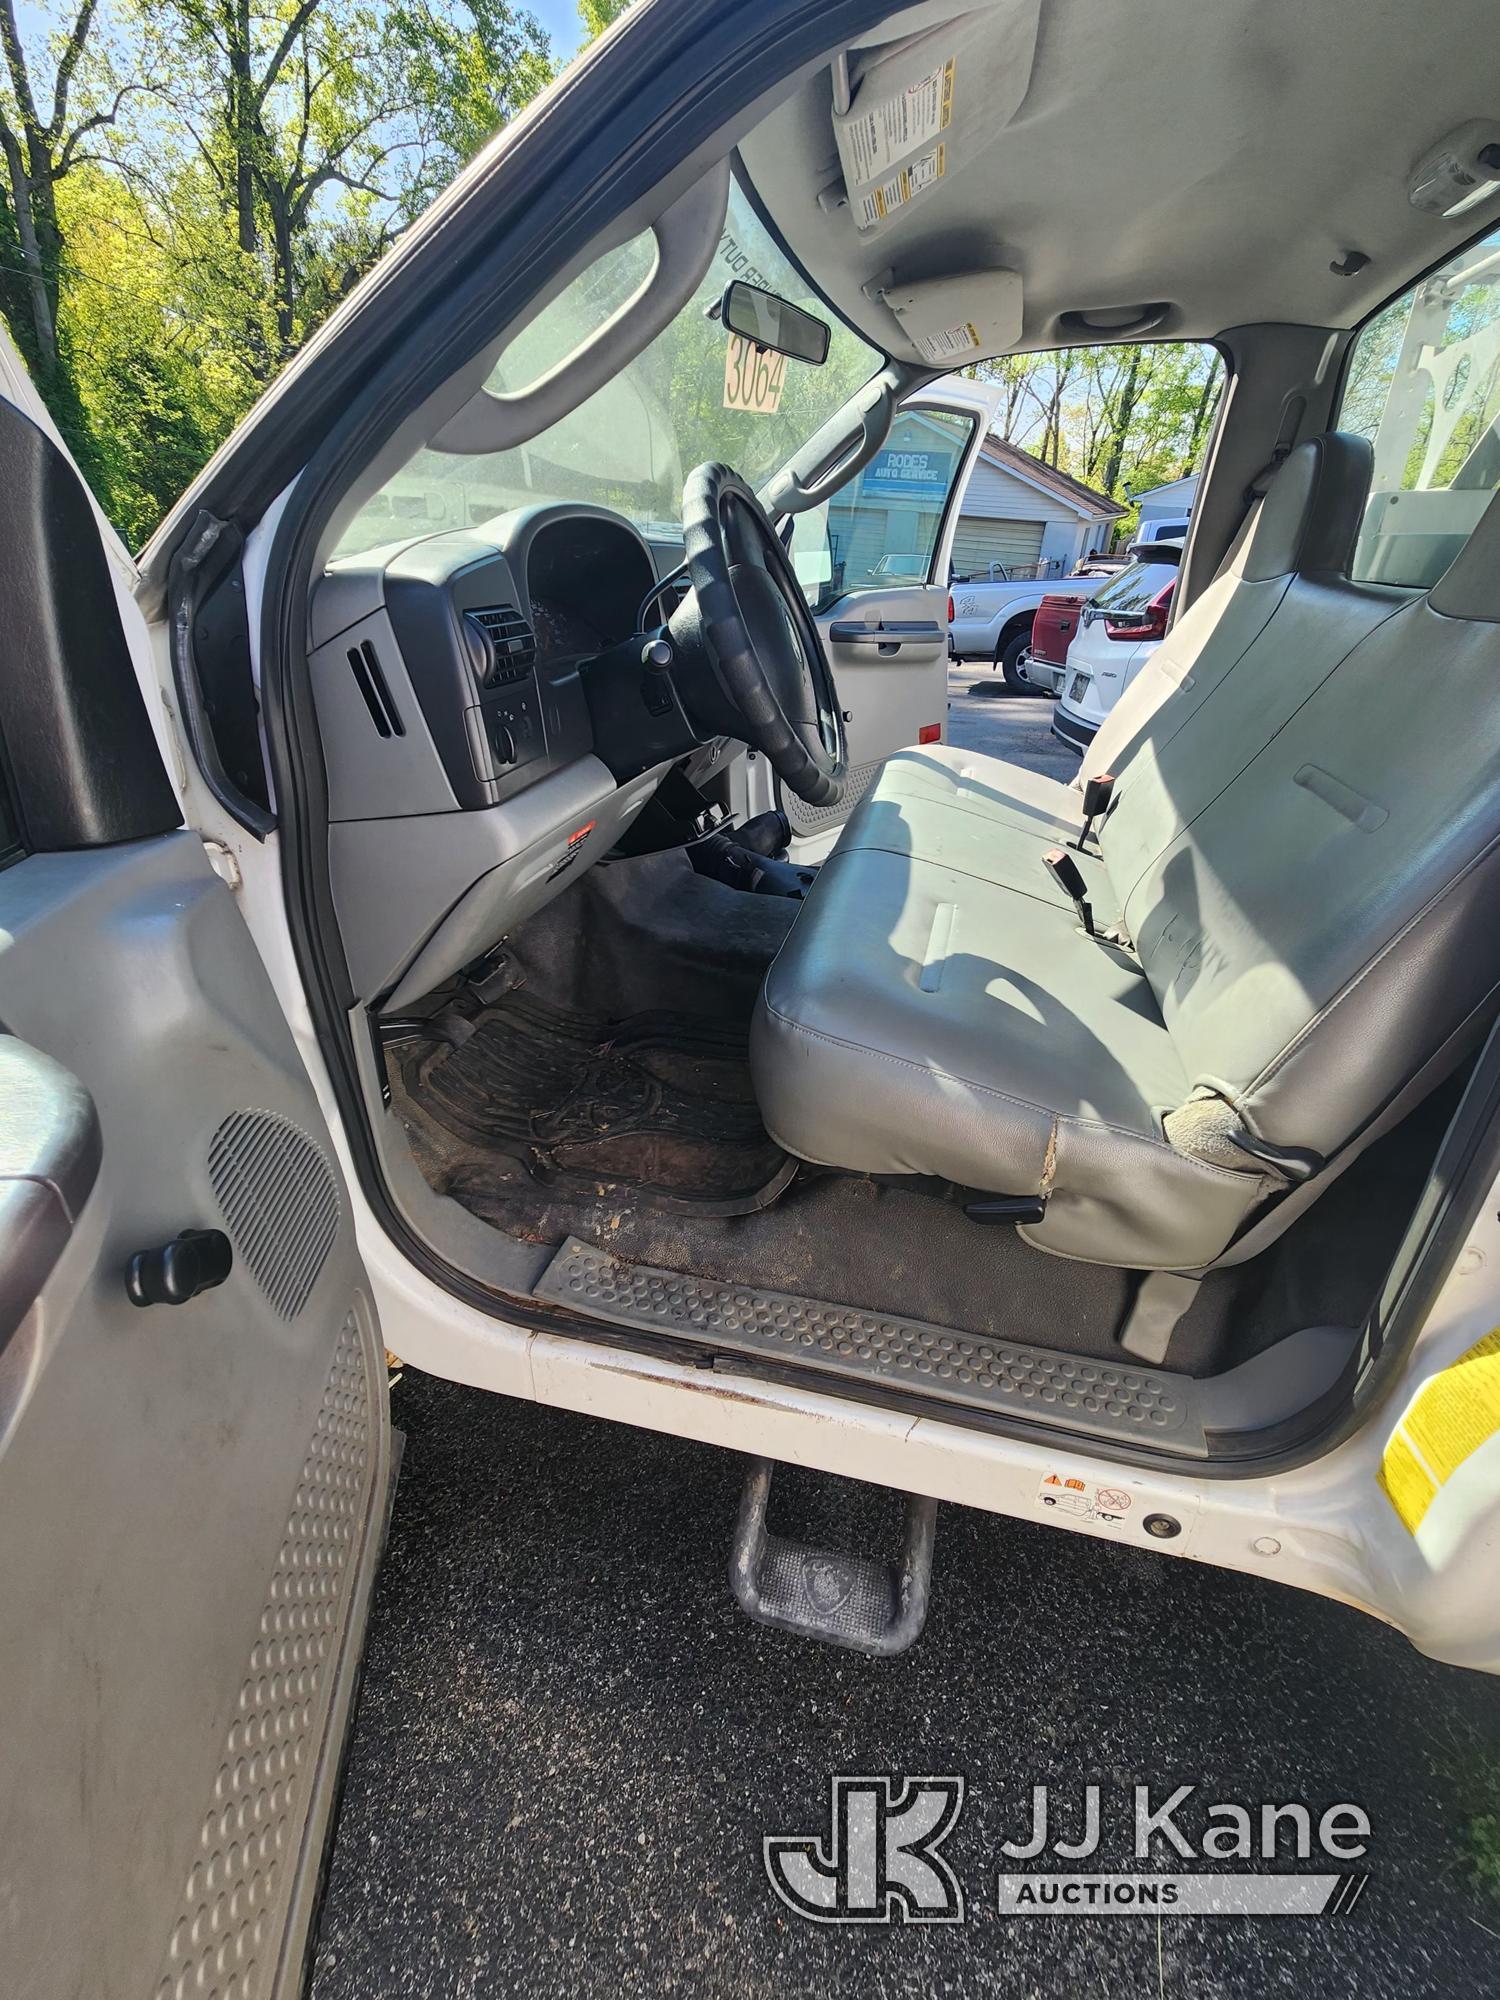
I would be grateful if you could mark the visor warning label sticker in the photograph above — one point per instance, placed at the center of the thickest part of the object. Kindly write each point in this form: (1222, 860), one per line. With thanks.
(902, 186)
(914, 116)
(951, 341)
(1450, 1418)
(1084, 1500)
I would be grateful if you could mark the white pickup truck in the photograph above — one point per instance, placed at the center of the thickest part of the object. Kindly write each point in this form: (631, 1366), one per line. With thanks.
(991, 618)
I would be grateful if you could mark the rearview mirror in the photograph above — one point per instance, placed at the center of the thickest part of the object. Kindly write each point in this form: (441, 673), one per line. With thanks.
(774, 323)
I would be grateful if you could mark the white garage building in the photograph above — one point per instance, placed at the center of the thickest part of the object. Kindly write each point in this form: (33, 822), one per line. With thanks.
(1019, 511)
(1166, 505)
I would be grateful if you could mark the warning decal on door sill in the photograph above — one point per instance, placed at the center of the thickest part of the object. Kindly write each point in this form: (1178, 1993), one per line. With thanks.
(1453, 1414)
(1103, 1506)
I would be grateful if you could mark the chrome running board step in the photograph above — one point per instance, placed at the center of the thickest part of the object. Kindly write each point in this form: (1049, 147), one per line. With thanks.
(1095, 1398)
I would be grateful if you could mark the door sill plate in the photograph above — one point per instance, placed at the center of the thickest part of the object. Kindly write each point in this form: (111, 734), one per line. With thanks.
(1097, 1398)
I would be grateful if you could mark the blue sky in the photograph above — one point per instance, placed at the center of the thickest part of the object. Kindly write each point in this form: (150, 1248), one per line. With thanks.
(560, 19)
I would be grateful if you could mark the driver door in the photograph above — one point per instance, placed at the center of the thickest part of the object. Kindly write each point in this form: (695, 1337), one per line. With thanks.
(874, 563)
(194, 1430)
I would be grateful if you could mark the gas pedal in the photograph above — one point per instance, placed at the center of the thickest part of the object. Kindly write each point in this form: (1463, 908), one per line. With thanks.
(860, 1602)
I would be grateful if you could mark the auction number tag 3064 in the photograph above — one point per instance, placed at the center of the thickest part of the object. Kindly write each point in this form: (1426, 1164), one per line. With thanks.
(753, 377)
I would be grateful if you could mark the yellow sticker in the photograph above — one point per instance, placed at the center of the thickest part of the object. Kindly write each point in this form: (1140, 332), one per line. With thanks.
(951, 341)
(881, 202)
(1406, 1482)
(1452, 1416)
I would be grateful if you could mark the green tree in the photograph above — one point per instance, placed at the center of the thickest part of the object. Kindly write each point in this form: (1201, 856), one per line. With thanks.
(1120, 418)
(328, 124)
(58, 91)
(597, 15)
(157, 268)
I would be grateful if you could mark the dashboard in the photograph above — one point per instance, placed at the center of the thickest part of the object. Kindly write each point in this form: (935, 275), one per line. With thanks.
(563, 633)
(484, 730)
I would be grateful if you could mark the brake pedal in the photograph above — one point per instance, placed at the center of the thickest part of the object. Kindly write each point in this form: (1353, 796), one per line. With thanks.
(860, 1602)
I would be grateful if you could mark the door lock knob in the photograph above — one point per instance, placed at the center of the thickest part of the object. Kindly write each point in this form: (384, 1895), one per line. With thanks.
(192, 1262)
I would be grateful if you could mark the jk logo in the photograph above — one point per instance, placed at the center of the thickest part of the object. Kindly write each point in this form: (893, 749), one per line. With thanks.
(880, 1863)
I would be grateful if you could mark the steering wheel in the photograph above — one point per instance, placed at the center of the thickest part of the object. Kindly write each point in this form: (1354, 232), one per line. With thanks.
(768, 681)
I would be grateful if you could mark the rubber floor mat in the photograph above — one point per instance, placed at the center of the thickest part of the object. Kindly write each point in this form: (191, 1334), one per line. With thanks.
(661, 1101)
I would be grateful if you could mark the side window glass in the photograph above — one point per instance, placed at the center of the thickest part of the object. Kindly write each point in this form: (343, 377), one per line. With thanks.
(1423, 386)
(883, 527)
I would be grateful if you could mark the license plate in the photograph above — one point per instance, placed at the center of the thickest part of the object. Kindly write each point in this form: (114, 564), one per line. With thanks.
(1080, 682)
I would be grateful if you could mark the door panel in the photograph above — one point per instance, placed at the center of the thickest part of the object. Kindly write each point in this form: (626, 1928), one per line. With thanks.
(889, 652)
(874, 561)
(191, 1492)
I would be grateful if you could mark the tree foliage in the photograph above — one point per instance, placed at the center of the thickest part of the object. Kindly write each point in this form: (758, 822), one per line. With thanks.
(597, 15)
(1121, 419)
(188, 188)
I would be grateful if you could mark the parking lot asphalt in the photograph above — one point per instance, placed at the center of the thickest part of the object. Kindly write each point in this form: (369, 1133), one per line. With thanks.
(570, 1745)
(984, 715)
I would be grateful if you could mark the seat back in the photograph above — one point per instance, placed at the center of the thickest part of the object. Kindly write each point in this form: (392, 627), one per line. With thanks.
(1323, 928)
(1306, 519)
(1277, 620)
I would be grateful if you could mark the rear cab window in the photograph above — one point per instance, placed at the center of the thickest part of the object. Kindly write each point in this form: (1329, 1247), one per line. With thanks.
(1423, 385)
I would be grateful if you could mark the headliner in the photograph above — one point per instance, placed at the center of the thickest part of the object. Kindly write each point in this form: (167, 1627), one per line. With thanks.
(1215, 154)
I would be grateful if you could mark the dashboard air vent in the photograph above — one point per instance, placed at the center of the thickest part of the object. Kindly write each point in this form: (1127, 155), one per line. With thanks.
(510, 644)
(364, 664)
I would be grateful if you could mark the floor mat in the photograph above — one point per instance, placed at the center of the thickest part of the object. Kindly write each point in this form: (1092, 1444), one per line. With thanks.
(661, 1102)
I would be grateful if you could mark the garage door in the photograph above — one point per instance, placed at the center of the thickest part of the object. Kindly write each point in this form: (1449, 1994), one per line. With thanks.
(979, 542)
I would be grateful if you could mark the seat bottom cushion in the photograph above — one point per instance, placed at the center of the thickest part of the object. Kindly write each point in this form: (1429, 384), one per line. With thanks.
(993, 850)
(921, 1020)
(989, 787)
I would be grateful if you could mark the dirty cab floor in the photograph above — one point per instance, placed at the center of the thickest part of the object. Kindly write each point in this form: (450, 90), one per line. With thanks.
(612, 1087)
(658, 1103)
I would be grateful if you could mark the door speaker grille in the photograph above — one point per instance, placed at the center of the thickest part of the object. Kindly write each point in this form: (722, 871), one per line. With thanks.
(279, 1200)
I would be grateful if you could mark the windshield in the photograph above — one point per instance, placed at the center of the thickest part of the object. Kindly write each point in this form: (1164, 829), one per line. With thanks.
(684, 400)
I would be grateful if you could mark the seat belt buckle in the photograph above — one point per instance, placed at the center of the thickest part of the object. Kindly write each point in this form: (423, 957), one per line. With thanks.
(1097, 793)
(1068, 876)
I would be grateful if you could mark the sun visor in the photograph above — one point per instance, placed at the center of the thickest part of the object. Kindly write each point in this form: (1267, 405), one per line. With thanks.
(918, 106)
(957, 319)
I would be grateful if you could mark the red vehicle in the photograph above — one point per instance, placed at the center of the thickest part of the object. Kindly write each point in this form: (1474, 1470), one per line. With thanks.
(1052, 632)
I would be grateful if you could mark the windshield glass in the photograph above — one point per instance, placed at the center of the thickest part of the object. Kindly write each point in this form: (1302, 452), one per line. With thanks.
(691, 396)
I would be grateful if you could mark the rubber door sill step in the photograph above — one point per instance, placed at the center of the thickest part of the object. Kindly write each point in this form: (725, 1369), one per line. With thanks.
(1099, 1398)
(856, 1601)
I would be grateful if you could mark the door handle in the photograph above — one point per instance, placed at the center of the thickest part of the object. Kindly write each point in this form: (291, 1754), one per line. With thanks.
(194, 1261)
(887, 638)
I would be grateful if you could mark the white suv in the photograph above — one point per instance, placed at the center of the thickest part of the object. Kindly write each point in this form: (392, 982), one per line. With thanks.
(1116, 636)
